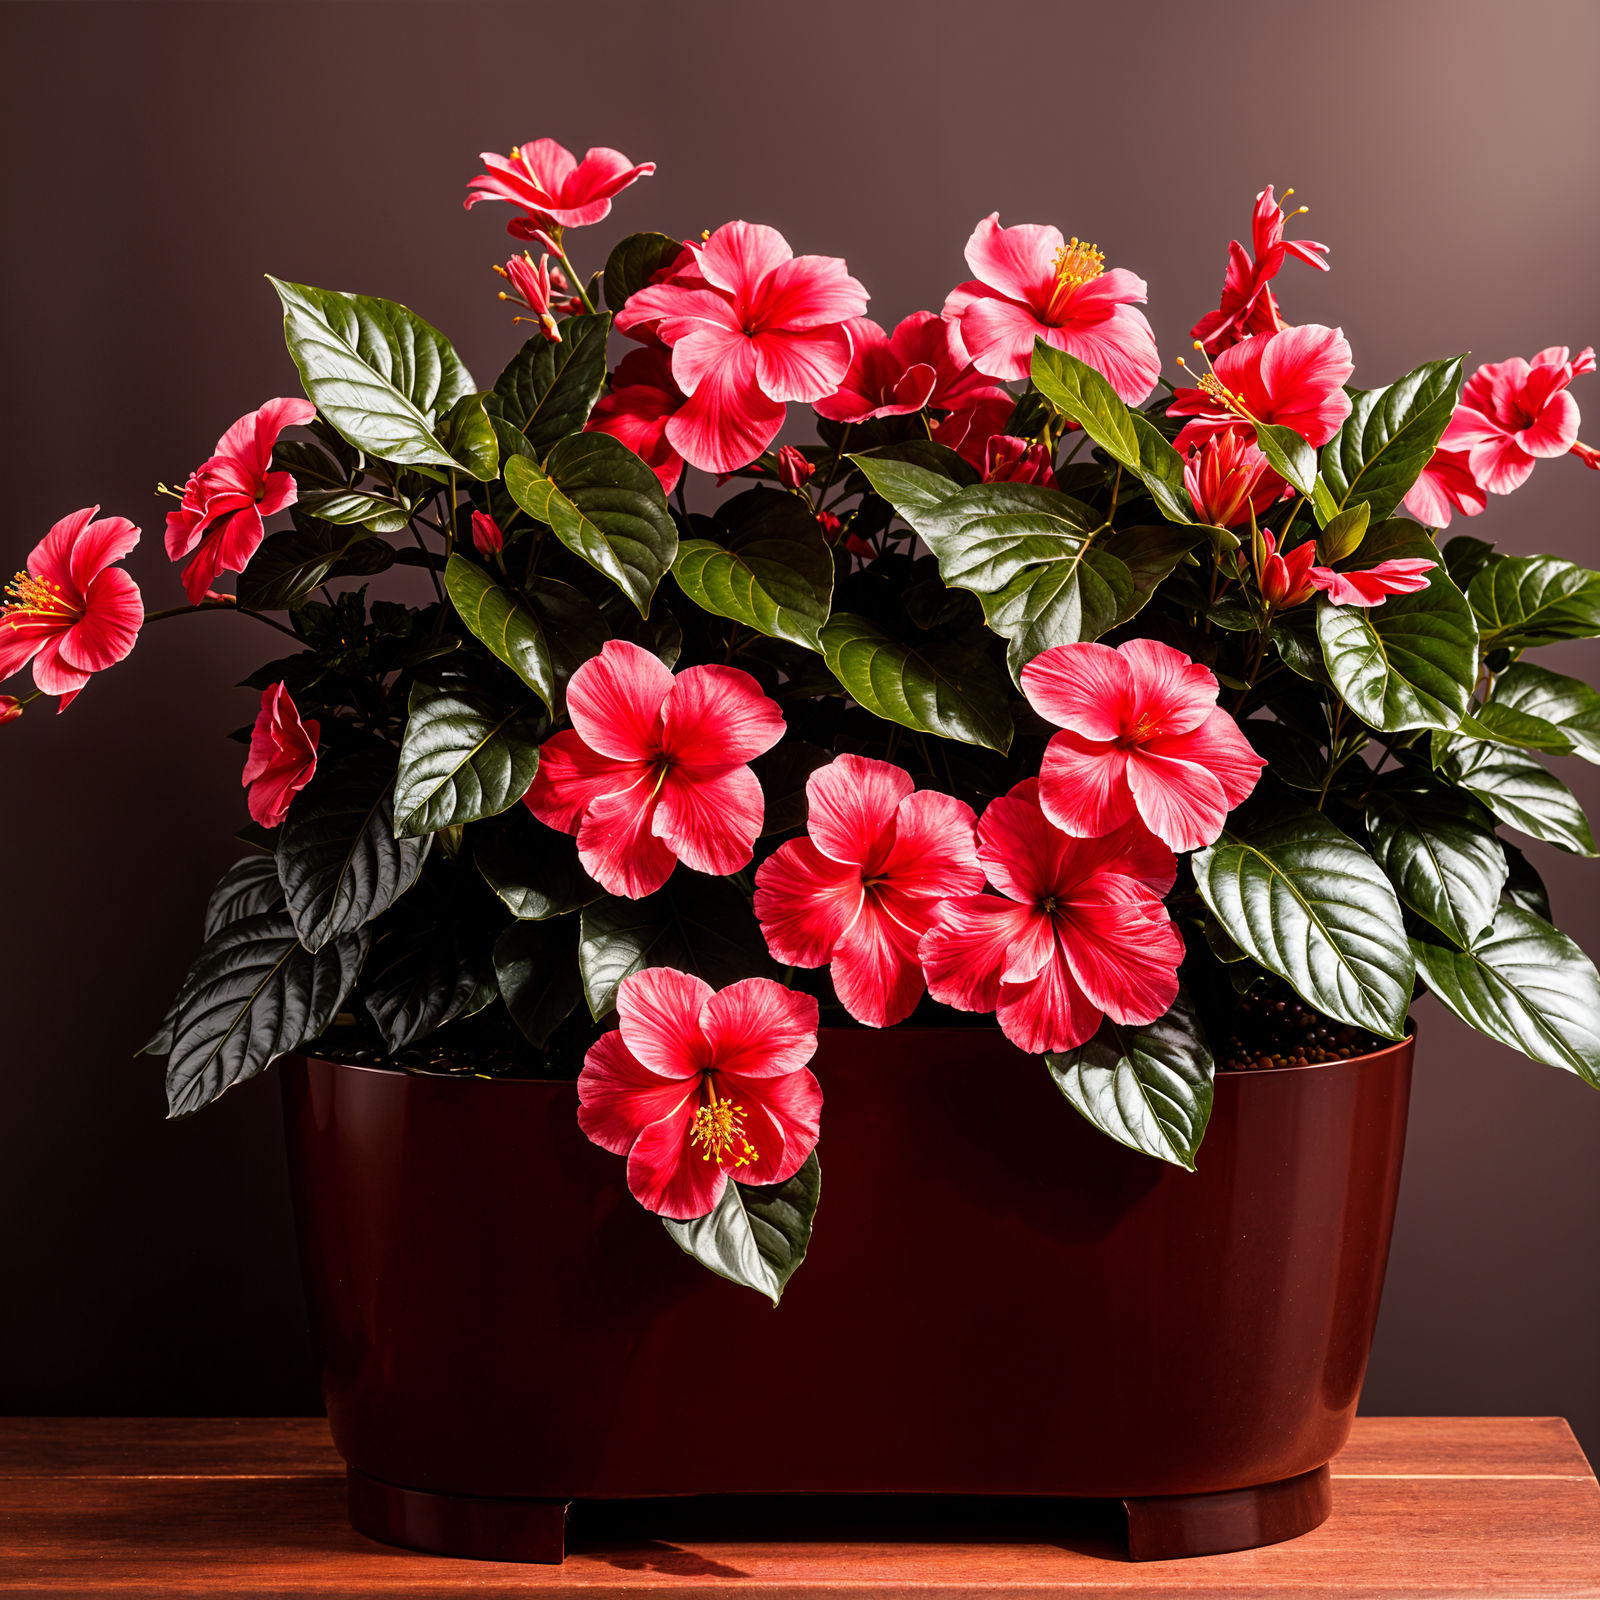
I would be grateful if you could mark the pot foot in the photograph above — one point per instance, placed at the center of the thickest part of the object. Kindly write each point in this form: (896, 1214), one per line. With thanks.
(1163, 1527)
(481, 1529)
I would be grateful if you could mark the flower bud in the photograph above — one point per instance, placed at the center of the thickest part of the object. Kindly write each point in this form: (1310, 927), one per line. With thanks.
(793, 468)
(486, 535)
(1344, 533)
(10, 708)
(829, 524)
(1008, 459)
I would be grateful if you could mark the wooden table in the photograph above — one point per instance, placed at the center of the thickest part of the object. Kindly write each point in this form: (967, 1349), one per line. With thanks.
(1501, 1506)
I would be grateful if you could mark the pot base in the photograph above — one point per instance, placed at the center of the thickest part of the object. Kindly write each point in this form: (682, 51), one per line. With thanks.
(1160, 1527)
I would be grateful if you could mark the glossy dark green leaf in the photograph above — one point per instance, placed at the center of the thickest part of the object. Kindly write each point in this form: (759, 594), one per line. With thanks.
(417, 978)
(1293, 758)
(1466, 557)
(248, 888)
(1289, 455)
(1148, 1087)
(1389, 437)
(548, 390)
(499, 618)
(254, 994)
(339, 861)
(606, 506)
(1409, 663)
(466, 754)
(1524, 887)
(1568, 704)
(756, 1236)
(534, 869)
(942, 688)
(632, 263)
(909, 487)
(290, 564)
(695, 923)
(1520, 792)
(1343, 534)
(468, 435)
(1526, 985)
(350, 507)
(575, 628)
(931, 457)
(1150, 554)
(1305, 901)
(1502, 724)
(536, 966)
(1524, 601)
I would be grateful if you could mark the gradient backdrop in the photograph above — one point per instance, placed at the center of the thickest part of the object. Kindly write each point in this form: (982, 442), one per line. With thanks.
(160, 157)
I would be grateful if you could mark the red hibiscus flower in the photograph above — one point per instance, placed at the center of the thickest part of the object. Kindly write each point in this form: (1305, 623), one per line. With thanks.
(282, 759)
(654, 769)
(72, 612)
(1080, 934)
(1372, 587)
(1028, 282)
(227, 496)
(751, 326)
(1286, 580)
(1247, 303)
(642, 401)
(922, 363)
(549, 185)
(533, 287)
(863, 888)
(1229, 480)
(969, 430)
(1142, 736)
(1007, 459)
(695, 1086)
(1445, 487)
(1515, 412)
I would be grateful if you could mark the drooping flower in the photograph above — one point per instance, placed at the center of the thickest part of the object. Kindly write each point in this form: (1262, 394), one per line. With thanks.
(654, 769)
(1445, 487)
(862, 888)
(1228, 479)
(282, 759)
(487, 539)
(794, 471)
(227, 496)
(1007, 459)
(533, 287)
(1247, 304)
(642, 401)
(1373, 586)
(1513, 413)
(922, 363)
(1028, 282)
(1080, 934)
(751, 326)
(695, 1086)
(72, 612)
(548, 184)
(1142, 735)
(1295, 378)
(1286, 580)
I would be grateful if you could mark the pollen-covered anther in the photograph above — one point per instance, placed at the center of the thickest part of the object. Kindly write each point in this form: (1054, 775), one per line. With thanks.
(28, 596)
(719, 1127)
(1078, 263)
(1219, 391)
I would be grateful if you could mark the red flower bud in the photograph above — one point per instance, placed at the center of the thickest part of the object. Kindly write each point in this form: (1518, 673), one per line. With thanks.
(486, 535)
(829, 524)
(793, 468)
(10, 708)
(1011, 460)
(1286, 580)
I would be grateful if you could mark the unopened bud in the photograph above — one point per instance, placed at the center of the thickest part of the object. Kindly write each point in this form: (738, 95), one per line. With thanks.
(1343, 535)
(829, 524)
(793, 468)
(486, 534)
(10, 708)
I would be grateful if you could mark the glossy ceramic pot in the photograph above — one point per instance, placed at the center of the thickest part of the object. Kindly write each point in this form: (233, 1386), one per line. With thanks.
(998, 1299)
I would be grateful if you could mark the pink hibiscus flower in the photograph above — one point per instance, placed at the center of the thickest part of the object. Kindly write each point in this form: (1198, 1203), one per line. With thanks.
(226, 497)
(1516, 412)
(1007, 459)
(1229, 480)
(282, 759)
(1286, 580)
(695, 1086)
(1142, 736)
(1372, 587)
(922, 363)
(72, 612)
(642, 401)
(862, 889)
(1445, 487)
(1028, 282)
(751, 327)
(794, 471)
(1081, 933)
(969, 430)
(550, 185)
(654, 769)
(1295, 378)
(1247, 304)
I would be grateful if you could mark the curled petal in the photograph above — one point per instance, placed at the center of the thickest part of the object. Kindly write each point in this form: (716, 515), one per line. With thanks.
(964, 952)
(851, 803)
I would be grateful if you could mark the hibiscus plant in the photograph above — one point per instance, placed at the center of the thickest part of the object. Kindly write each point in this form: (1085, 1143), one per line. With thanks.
(1132, 716)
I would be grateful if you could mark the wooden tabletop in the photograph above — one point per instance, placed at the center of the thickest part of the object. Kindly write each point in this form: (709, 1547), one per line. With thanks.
(1427, 1506)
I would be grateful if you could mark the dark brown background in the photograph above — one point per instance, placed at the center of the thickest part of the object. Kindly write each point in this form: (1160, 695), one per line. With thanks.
(159, 158)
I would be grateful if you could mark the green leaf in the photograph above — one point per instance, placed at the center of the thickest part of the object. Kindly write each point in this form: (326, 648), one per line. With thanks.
(339, 861)
(1389, 437)
(756, 1236)
(415, 981)
(942, 688)
(378, 373)
(466, 755)
(695, 923)
(1343, 534)
(772, 570)
(548, 390)
(1150, 554)
(939, 459)
(466, 432)
(347, 507)
(1148, 1087)
(1466, 557)
(1441, 853)
(253, 994)
(1289, 455)
(1307, 902)
(1409, 663)
(536, 966)
(1520, 792)
(605, 505)
(496, 616)
(1525, 601)
(289, 565)
(1524, 887)
(1567, 704)
(533, 868)
(248, 888)
(911, 489)
(1526, 985)
(634, 261)
(1502, 724)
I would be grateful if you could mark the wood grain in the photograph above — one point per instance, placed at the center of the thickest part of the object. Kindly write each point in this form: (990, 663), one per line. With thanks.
(129, 1507)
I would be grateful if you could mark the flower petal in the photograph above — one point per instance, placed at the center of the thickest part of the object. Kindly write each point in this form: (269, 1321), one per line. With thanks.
(805, 903)
(670, 1176)
(740, 254)
(792, 1107)
(1089, 688)
(808, 292)
(1019, 262)
(715, 717)
(801, 365)
(759, 1029)
(709, 822)
(113, 613)
(1180, 801)
(875, 970)
(615, 699)
(851, 803)
(964, 953)
(999, 335)
(1083, 786)
(728, 421)
(1049, 1013)
(571, 777)
(934, 853)
(658, 1013)
(617, 847)
(1120, 346)
(1122, 949)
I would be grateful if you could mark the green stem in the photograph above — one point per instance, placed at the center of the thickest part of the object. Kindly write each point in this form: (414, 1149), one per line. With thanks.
(221, 605)
(437, 588)
(575, 280)
(833, 466)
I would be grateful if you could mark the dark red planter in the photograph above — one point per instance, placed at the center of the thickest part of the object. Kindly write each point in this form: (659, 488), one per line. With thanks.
(999, 1300)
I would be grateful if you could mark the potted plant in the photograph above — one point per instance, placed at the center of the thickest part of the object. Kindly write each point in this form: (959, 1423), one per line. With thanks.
(1047, 752)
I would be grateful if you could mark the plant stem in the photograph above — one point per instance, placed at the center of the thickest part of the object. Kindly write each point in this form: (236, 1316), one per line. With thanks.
(575, 280)
(437, 588)
(221, 605)
(833, 466)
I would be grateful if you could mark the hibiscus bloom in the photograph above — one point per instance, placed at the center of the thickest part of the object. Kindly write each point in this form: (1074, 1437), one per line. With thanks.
(654, 769)
(859, 892)
(226, 497)
(533, 287)
(1515, 412)
(751, 327)
(922, 363)
(969, 430)
(1081, 933)
(1028, 282)
(72, 612)
(1007, 459)
(695, 1086)
(642, 401)
(1247, 303)
(282, 759)
(1228, 480)
(1142, 736)
(550, 185)
(1446, 486)
(1372, 587)
(1295, 378)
